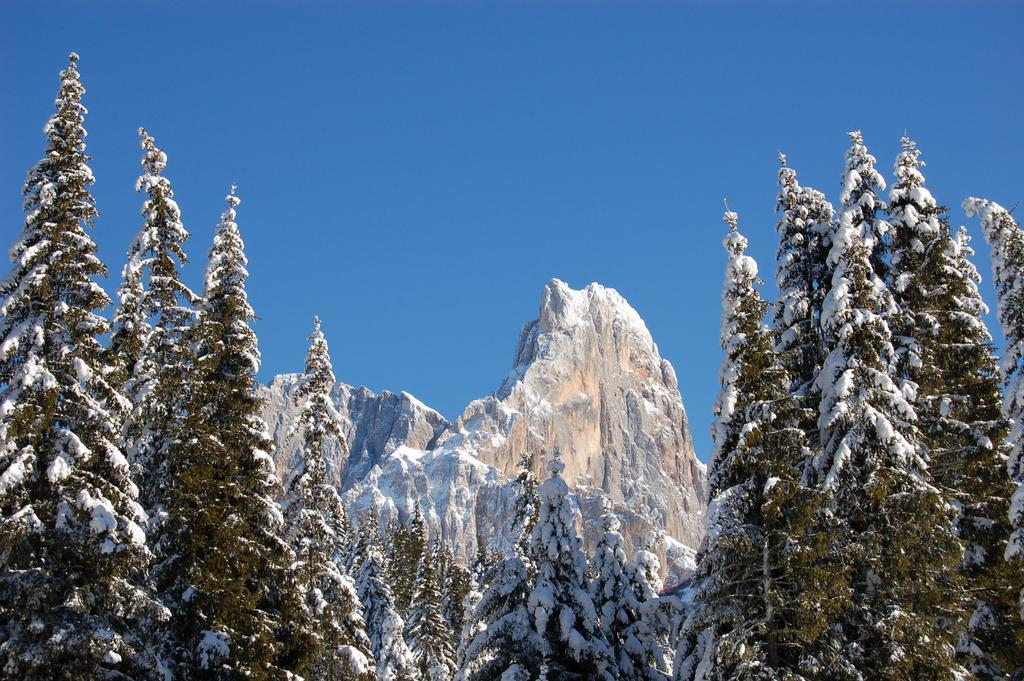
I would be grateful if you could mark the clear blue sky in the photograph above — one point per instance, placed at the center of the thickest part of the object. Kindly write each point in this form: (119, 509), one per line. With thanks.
(415, 173)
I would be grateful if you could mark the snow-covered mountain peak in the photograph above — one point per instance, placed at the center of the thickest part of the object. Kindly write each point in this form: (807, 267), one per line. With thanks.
(563, 307)
(587, 381)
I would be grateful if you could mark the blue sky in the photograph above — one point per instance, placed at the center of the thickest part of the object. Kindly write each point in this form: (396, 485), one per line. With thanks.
(416, 172)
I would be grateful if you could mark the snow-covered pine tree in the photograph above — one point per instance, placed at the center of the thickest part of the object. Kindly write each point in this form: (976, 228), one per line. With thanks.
(1006, 240)
(365, 536)
(408, 545)
(154, 320)
(456, 583)
(315, 523)
(384, 625)
(561, 609)
(428, 632)
(945, 356)
(914, 222)
(764, 588)
(618, 604)
(958, 406)
(658, 615)
(73, 554)
(498, 639)
(805, 220)
(898, 533)
(225, 572)
(527, 504)
(859, 211)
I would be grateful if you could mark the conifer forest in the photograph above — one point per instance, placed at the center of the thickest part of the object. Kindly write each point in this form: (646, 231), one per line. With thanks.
(864, 498)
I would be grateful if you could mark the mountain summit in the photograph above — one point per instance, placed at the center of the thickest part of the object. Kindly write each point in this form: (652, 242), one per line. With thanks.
(587, 381)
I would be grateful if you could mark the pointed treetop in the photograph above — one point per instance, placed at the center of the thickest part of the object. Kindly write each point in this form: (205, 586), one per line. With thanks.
(556, 465)
(610, 522)
(231, 198)
(735, 242)
(319, 371)
(730, 218)
(787, 178)
(154, 160)
(856, 136)
(907, 174)
(73, 57)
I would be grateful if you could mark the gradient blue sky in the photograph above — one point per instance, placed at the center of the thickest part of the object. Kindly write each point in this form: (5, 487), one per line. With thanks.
(416, 172)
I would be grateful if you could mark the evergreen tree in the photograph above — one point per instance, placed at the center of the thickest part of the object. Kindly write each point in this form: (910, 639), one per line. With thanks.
(618, 600)
(561, 609)
(765, 588)
(654, 629)
(428, 632)
(1007, 247)
(945, 357)
(225, 573)
(73, 554)
(960, 419)
(456, 582)
(384, 625)
(315, 520)
(408, 545)
(498, 639)
(154, 321)
(527, 504)
(805, 219)
(898, 536)
(914, 221)
(859, 214)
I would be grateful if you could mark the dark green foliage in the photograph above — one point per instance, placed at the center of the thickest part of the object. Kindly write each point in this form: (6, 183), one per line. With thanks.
(226, 574)
(768, 582)
(429, 634)
(408, 545)
(898, 536)
(73, 598)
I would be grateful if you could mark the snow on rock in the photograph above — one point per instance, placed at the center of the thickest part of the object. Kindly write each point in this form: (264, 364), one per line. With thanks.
(587, 380)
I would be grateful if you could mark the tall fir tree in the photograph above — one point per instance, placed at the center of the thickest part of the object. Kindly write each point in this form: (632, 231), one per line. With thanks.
(945, 358)
(225, 572)
(959, 412)
(859, 214)
(73, 555)
(1006, 241)
(315, 523)
(153, 321)
(765, 588)
(456, 582)
(498, 638)
(429, 634)
(560, 606)
(408, 545)
(914, 222)
(805, 220)
(898, 533)
(384, 625)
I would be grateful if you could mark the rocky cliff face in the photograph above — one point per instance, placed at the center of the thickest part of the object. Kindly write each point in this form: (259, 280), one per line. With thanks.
(374, 426)
(587, 381)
